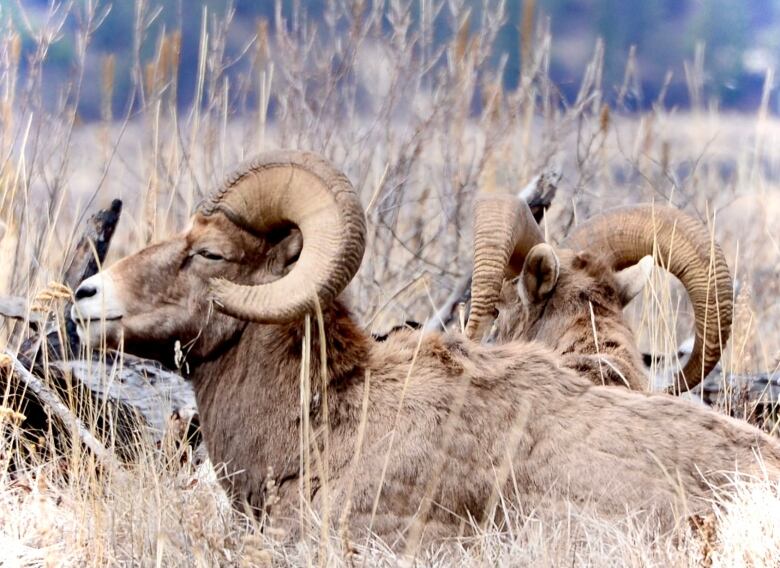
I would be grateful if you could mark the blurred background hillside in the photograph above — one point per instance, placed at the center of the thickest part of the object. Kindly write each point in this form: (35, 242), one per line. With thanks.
(650, 46)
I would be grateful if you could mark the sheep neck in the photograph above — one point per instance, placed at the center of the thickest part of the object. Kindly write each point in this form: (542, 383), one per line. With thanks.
(249, 396)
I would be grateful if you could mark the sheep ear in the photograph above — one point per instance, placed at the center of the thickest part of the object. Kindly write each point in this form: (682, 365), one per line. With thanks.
(285, 253)
(632, 280)
(541, 271)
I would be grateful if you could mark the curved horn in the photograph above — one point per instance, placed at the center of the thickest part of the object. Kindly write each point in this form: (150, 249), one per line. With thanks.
(626, 234)
(504, 232)
(300, 188)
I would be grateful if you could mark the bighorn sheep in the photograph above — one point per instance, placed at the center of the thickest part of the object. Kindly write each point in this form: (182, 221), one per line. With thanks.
(418, 415)
(572, 298)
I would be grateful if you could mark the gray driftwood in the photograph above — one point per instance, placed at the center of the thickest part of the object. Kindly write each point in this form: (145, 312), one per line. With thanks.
(758, 389)
(59, 392)
(738, 394)
(15, 307)
(58, 408)
(156, 393)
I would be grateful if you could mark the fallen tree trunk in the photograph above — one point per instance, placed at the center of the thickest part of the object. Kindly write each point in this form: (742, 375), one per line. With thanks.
(89, 254)
(151, 390)
(59, 409)
(759, 388)
(15, 307)
(107, 403)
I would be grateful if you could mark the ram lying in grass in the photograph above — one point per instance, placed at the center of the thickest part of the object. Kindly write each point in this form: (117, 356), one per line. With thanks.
(408, 438)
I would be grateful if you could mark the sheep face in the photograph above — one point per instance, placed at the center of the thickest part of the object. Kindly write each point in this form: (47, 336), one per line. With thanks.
(161, 294)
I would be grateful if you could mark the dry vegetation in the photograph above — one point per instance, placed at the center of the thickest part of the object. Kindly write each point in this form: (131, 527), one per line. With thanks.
(397, 112)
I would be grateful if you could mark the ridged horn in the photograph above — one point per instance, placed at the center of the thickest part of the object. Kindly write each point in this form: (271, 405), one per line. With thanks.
(626, 234)
(504, 232)
(303, 189)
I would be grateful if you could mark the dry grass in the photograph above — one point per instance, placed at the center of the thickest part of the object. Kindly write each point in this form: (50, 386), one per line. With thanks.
(158, 515)
(396, 111)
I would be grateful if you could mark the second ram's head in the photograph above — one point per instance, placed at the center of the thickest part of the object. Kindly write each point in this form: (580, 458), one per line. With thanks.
(571, 297)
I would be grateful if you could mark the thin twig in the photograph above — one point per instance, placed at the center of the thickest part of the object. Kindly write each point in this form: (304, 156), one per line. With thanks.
(51, 400)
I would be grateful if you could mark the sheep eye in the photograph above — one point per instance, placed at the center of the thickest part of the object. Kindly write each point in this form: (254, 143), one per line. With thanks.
(209, 255)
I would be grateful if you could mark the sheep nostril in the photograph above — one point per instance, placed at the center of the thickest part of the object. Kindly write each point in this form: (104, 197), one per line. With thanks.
(85, 292)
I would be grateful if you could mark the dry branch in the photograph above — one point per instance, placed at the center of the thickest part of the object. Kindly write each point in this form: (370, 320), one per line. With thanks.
(731, 392)
(144, 385)
(63, 413)
(88, 256)
(540, 192)
(131, 396)
(759, 388)
(92, 248)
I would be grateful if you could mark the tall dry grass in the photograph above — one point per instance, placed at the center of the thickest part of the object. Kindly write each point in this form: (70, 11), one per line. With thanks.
(419, 126)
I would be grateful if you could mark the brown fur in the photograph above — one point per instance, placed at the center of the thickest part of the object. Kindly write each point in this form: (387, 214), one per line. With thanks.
(585, 297)
(474, 418)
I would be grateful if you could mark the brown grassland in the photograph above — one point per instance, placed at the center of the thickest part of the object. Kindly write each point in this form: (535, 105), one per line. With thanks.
(398, 113)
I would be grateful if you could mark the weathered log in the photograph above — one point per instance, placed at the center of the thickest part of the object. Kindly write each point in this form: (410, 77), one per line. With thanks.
(151, 390)
(750, 396)
(34, 390)
(448, 312)
(111, 402)
(88, 256)
(92, 248)
(759, 388)
(85, 260)
(52, 401)
(15, 307)
(540, 192)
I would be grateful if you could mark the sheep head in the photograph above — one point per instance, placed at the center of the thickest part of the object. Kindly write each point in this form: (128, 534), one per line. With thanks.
(555, 287)
(282, 233)
(604, 263)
